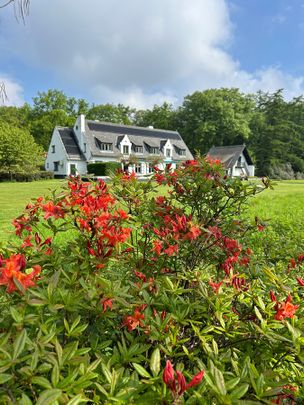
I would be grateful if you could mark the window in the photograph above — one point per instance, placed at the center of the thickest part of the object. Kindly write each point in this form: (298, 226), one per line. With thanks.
(108, 147)
(56, 166)
(47, 165)
(153, 150)
(138, 168)
(138, 149)
(168, 152)
(239, 162)
(150, 169)
(84, 148)
(73, 170)
(182, 152)
(76, 127)
(104, 146)
(53, 148)
(125, 149)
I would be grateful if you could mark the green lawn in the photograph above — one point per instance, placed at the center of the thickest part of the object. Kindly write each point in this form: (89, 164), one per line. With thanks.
(15, 196)
(282, 207)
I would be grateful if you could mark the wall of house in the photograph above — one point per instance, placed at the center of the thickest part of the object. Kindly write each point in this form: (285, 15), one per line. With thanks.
(245, 170)
(59, 155)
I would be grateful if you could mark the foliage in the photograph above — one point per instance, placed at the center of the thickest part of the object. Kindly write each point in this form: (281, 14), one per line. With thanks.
(19, 154)
(153, 299)
(103, 168)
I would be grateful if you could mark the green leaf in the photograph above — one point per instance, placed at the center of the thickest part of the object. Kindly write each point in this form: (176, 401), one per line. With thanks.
(25, 400)
(48, 397)
(42, 381)
(77, 400)
(155, 362)
(5, 377)
(19, 344)
(232, 383)
(106, 373)
(219, 381)
(16, 315)
(141, 371)
(55, 375)
(239, 392)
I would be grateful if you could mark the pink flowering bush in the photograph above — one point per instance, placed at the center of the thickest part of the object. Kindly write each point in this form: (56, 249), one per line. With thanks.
(149, 292)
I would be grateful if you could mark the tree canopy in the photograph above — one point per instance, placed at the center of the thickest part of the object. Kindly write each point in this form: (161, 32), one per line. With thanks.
(19, 154)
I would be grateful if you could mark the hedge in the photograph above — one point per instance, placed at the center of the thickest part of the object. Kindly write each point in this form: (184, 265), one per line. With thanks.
(103, 168)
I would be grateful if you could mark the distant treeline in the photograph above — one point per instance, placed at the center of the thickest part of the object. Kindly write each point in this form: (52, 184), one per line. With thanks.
(271, 127)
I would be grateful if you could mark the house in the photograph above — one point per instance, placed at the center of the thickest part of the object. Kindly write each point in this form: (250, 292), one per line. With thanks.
(236, 160)
(138, 149)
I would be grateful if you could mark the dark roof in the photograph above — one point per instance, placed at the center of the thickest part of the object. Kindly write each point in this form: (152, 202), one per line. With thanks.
(70, 143)
(229, 155)
(138, 136)
(132, 130)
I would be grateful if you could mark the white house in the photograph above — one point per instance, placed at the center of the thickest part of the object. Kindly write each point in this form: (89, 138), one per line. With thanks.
(137, 148)
(236, 160)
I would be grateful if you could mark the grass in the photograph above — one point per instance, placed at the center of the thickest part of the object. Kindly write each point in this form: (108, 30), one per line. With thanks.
(15, 196)
(282, 207)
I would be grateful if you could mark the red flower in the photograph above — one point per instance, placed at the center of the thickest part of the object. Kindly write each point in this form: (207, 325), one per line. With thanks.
(284, 309)
(135, 320)
(193, 233)
(52, 210)
(171, 250)
(107, 303)
(215, 286)
(300, 281)
(196, 379)
(177, 384)
(168, 376)
(11, 269)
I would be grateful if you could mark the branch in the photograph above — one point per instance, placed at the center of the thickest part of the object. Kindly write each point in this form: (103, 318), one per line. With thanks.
(21, 8)
(3, 95)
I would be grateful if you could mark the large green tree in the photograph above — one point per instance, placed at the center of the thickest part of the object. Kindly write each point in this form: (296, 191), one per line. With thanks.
(215, 117)
(163, 117)
(19, 154)
(118, 114)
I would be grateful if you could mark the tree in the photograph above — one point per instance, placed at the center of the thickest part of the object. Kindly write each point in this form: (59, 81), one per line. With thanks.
(163, 117)
(118, 114)
(19, 154)
(214, 117)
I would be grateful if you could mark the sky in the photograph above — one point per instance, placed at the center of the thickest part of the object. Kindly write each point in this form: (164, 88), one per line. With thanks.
(145, 52)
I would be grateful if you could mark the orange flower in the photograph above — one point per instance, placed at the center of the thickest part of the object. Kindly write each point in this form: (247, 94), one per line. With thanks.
(135, 320)
(11, 269)
(107, 303)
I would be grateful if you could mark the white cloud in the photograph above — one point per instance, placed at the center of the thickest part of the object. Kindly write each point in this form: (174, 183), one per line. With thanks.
(13, 90)
(136, 52)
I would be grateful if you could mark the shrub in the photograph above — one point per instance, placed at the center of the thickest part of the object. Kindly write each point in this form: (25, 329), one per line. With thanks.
(103, 168)
(154, 298)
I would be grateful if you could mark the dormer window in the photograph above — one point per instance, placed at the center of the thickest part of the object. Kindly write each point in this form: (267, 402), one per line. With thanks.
(104, 146)
(126, 150)
(168, 153)
(182, 152)
(53, 148)
(138, 149)
(153, 150)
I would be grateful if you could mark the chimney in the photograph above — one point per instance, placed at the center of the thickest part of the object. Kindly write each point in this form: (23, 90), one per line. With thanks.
(82, 123)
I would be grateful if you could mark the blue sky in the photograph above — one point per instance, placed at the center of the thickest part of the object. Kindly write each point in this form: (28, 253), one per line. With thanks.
(143, 53)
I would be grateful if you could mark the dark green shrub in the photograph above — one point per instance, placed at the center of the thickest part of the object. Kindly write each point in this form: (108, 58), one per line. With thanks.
(103, 168)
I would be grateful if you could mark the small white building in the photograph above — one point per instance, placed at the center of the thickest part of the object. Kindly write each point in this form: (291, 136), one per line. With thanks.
(137, 148)
(236, 160)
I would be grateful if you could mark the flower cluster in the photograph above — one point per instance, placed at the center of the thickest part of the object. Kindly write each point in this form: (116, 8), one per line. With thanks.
(285, 309)
(12, 270)
(176, 381)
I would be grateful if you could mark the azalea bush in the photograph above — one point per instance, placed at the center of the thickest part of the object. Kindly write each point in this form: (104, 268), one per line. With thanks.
(154, 297)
